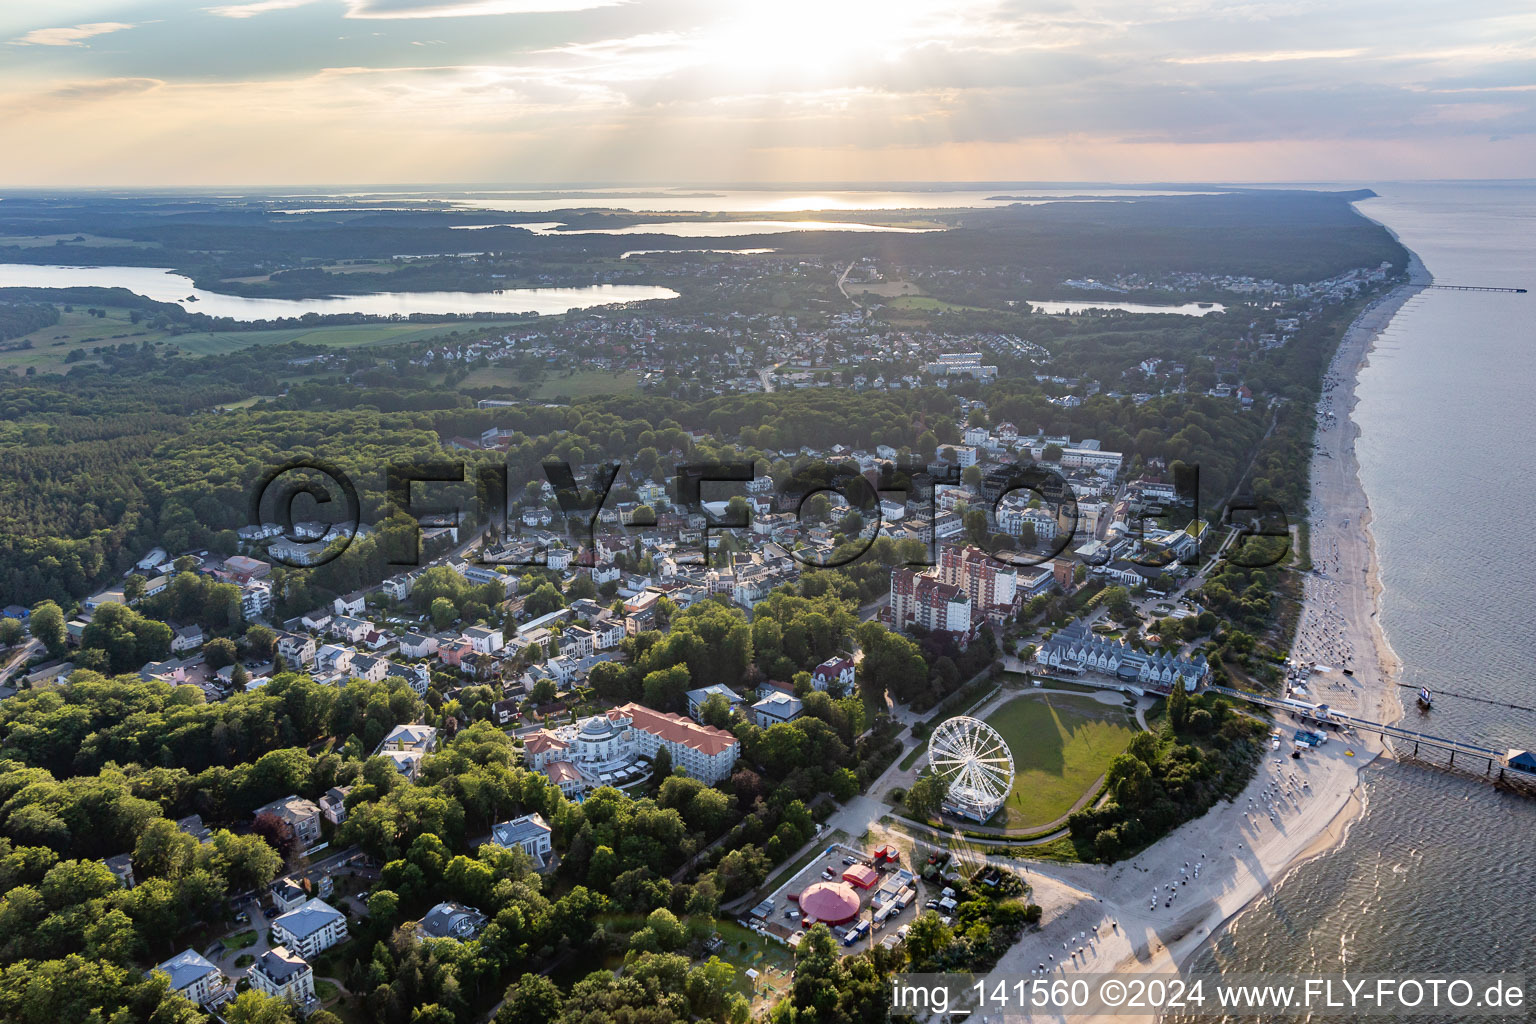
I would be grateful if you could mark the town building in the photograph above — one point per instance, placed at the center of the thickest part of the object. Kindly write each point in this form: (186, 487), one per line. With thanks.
(303, 816)
(451, 921)
(1077, 649)
(282, 974)
(311, 928)
(195, 977)
(605, 749)
(530, 833)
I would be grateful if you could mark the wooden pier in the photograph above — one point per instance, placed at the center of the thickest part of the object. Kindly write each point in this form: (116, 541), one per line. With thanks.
(1410, 744)
(1475, 288)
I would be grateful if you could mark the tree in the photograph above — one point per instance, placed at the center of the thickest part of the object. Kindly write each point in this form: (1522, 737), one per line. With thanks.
(253, 1007)
(10, 632)
(543, 691)
(443, 612)
(1178, 707)
(261, 641)
(543, 600)
(925, 797)
(533, 999)
(927, 939)
(47, 625)
(133, 588)
(277, 833)
(163, 851)
(220, 652)
(1129, 780)
(661, 765)
(238, 678)
(245, 861)
(716, 711)
(383, 905)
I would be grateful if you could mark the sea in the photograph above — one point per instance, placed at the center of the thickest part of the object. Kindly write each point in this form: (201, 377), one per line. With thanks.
(1438, 873)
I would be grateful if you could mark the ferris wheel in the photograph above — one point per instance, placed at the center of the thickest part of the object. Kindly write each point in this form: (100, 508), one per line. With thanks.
(970, 757)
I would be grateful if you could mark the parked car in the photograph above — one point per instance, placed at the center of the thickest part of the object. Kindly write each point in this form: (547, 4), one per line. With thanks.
(269, 913)
(847, 860)
(242, 918)
(932, 905)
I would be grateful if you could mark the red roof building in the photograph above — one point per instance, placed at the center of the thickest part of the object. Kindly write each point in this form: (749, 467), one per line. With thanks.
(861, 875)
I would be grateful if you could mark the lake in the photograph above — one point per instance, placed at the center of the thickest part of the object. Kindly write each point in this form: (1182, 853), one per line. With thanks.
(168, 286)
(1079, 305)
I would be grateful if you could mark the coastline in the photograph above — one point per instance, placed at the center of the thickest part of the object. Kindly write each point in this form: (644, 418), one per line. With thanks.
(1293, 811)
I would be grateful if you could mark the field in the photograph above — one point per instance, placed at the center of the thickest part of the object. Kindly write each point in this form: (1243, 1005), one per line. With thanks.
(885, 289)
(80, 330)
(74, 330)
(576, 385)
(927, 304)
(746, 949)
(344, 336)
(1061, 746)
(91, 241)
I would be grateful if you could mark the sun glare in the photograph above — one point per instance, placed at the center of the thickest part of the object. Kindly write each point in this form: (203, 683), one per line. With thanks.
(816, 37)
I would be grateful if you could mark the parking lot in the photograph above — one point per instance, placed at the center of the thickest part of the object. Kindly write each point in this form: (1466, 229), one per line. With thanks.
(889, 897)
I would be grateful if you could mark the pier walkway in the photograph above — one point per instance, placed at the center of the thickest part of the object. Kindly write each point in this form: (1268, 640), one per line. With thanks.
(1404, 736)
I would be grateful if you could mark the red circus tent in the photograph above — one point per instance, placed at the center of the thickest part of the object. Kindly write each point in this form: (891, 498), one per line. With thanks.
(831, 903)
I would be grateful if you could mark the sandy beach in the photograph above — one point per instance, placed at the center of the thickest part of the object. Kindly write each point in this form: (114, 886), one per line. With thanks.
(1152, 913)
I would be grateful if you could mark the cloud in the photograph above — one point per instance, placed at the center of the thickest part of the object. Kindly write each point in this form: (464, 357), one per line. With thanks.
(417, 9)
(250, 10)
(105, 88)
(1266, 57)
(389, 9)
(71, 36)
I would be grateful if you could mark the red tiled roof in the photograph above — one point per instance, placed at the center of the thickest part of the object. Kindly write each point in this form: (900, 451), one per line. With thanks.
(705, 739)
(562, 771)
(542, 741)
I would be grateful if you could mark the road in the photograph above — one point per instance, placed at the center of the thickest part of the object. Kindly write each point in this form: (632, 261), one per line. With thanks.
(18, 658)
(841, 279)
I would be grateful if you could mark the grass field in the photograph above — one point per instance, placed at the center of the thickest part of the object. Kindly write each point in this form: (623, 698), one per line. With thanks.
(577, 385)
(1061, 745)
(746, 949)
(924, 302)
(74, 330)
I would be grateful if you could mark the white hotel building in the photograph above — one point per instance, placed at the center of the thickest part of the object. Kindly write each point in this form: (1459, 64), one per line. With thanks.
(604, 749)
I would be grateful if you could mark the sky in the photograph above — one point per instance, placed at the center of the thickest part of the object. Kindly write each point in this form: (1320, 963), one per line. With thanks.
(318, 92)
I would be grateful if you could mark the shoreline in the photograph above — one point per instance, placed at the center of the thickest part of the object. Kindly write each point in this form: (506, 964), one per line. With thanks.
(1292, 811)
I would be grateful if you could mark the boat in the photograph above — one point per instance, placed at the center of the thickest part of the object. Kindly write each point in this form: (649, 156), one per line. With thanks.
(1425, 700)
(1205, 305)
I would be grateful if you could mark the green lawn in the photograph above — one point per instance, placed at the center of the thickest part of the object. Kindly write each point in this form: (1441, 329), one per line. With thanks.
(1061, 746)
(240, 941)
(325, 991)
(746, 949)
(244, 960)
